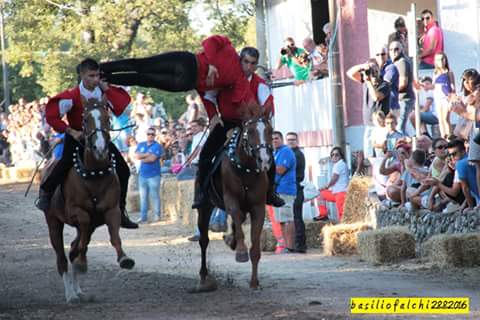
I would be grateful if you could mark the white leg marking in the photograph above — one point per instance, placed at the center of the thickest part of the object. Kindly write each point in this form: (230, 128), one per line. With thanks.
(69, 292)
(76, 284)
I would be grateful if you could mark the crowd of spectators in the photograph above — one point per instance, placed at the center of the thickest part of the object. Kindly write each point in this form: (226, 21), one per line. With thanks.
(438, 169)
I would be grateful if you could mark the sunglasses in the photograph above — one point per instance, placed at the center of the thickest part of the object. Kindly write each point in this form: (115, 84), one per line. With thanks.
(381, 54)
(150, 134)
(442, 147)
(394, 49)
(164, 132)
(452, 154)
(426, 18)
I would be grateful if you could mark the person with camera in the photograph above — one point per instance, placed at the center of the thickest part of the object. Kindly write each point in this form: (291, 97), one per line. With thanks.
(296, 59)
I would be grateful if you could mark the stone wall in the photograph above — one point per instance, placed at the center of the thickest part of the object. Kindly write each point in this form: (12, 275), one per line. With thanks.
(424, 224)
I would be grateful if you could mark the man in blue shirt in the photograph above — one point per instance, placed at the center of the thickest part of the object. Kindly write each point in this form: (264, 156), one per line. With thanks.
(286, 182)
(149, 153)
(389, 73)
(465, 171)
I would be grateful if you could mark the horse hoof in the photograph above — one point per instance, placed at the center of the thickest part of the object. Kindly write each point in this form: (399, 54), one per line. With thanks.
(241, 256)
(207, 285)
(80, 267)
(230, 241)
(126, 262)
(73, 299)
(255, 285)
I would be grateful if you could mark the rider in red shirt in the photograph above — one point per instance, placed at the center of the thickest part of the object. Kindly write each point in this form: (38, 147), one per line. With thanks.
(69, 103)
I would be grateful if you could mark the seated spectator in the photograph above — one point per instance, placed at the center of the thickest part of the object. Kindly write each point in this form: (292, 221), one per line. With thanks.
(393, 166)
(428, 114)
(445, 188)
(392, 133)
(336, 189)
(412, 176)
(296, 59)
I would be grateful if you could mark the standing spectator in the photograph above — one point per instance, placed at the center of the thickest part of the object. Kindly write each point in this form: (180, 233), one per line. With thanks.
(406, 96)
(336, 189)
(377, 96)
(428, 113)
(300, 239)
(444, 86)
(291, 56)
(432, 40)
(400, 34)
(197, 128)
(192, 112)
(466, 108)
(149, 153)
(389, 73)
(285, 180)
(319, 61)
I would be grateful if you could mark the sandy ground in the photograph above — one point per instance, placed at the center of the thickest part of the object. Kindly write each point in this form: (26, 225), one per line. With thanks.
(294, 286)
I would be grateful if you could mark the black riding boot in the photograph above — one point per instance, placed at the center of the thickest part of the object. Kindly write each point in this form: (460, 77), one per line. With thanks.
(43, 201)
(273, 198)
(200, 197)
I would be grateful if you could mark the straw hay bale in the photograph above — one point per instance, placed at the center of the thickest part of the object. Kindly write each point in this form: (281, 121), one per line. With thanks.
(267, 240)
(185, 212)
(313, 233)
(342, 239)
(133, 201)
(386, 245)
(453, 250)
(169, 195)
(356, 208)
(23, 173)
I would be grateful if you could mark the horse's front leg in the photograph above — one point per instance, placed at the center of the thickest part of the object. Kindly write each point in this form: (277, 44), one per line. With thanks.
(84, 233)
(112, 220)
(257, 217)
(233, 208)
(207, 283)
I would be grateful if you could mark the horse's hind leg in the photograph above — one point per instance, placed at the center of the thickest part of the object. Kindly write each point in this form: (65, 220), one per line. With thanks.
(230, 239)
(257, 217)
(55, 230)
(112, 219)
(207, 283)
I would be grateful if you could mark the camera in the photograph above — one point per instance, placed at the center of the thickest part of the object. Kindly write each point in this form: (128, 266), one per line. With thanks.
(284, 51)
(366, 72)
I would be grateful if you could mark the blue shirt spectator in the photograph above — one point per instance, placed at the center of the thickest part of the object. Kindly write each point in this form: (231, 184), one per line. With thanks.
(286, 183)
(119, 139)
(389, 73)
(58, 150)
(467, 173)
(150, 169)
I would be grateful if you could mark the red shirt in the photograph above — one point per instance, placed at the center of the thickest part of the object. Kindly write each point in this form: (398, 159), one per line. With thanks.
(70, 101)
(219, 52)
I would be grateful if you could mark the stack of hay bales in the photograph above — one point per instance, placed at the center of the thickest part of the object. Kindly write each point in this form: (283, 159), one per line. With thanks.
(177, 199)
(391, 244)
(342, 239)
(267, 240)
(313, 233)
(453, 250)
(357, 207)
(133, 196)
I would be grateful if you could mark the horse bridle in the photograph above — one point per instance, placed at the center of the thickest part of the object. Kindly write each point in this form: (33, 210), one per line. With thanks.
(95, 130)
(252, 149)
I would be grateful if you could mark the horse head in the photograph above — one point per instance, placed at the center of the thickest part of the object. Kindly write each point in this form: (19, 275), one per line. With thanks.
(257, 140)
(96, 128)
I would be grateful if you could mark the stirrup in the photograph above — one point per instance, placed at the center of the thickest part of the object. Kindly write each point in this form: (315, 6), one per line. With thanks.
(125, 221)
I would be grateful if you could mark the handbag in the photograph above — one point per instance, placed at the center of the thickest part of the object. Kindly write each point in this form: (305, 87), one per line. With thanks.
(310, 191)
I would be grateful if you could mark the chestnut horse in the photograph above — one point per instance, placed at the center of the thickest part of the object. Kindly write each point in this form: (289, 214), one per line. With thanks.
(88, 198)
(239, 186)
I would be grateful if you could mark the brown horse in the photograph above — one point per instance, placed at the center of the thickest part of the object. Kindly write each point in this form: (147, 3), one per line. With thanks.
(88, 198)
(239, 186)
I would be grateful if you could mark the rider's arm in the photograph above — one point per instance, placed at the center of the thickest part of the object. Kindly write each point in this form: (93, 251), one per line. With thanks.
(119, 99)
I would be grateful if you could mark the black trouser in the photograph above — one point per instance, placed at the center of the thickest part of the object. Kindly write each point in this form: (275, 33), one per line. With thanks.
(216, 139)
(171, 71)
(60, 171)
(300, 239)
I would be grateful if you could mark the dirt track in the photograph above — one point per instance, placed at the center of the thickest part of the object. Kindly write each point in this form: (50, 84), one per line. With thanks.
(294, 286)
